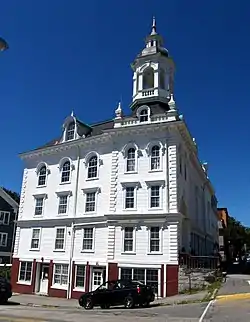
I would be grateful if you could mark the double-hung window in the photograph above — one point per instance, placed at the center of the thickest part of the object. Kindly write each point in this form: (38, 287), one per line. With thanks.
(25, 271)
(61, 274)
(155, 196)
(35, 238)
(130, 198)
(154, 239)
(88, 239)
(60, 239)
(3, 239)
(128, 239)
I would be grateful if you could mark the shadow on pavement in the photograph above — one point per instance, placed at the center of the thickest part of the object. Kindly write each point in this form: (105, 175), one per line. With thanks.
(9, 303)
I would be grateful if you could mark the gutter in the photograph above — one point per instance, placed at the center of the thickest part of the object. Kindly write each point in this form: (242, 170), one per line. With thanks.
(72, 241)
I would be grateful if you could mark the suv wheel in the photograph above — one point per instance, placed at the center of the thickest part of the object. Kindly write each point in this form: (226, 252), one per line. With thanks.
(88, 304)
(129, 302)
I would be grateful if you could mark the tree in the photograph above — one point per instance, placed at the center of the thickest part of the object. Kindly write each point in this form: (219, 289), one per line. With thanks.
(14, 195)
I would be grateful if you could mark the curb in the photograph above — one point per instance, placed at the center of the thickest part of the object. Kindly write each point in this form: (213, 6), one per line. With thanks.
(237, 296)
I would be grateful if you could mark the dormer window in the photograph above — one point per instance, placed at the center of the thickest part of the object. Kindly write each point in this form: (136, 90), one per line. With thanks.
(70, 132)
(144, 116)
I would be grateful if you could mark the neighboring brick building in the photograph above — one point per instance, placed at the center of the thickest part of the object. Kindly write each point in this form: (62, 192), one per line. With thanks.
(8, 218)
(222, 225)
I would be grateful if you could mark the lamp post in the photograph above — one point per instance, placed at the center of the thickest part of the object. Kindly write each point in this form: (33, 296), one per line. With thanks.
(3, 44)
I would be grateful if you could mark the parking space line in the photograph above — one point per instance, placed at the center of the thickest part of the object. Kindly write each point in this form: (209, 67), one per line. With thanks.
(205, 311)
(16, 319)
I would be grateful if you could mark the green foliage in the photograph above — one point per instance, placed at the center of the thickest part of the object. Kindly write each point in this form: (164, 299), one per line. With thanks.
(5, 272)
(237, 234)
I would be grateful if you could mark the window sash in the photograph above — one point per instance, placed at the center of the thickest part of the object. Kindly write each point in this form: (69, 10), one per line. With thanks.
(39, 206)
(155, 197)
(88, 239)
(130, 198)
(90, 202)
(60, 239)
(63, 204)
(61, 274)
(35, 239)
(3, 239)
(25, 271)
(128, 239)
(154, 239)
(80, 276)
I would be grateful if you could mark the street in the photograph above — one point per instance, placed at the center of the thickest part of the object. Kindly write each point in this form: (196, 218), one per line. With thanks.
(185, 313)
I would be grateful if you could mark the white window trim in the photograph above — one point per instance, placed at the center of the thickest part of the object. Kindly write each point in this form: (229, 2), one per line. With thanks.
(85, 191)
(6, 235)
(93, 243)
(162, 153)
(160, 252)
(138, 112)
(22, 281)
(60, 167)
(133, 252)
(43, 196)
(136, 185)
(59, 286)
(86, 163)
(138, 153)
(38, 168)
(39, 243)
(68, 194)
(79, 288)
(161, 184)
(64, 244)
(5, 213)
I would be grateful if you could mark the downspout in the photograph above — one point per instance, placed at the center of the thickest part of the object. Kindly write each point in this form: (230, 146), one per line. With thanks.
(72, 241)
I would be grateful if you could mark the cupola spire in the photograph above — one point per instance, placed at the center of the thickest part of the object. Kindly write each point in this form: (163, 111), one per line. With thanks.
(153, 31)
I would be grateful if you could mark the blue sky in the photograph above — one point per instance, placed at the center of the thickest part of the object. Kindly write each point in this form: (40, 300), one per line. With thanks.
(75, 55)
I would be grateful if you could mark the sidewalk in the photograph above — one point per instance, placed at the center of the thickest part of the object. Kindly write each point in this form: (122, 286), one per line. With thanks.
(236, 286)
(44, 301)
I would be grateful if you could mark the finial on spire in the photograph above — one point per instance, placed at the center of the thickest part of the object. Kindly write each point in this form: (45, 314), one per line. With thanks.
(118, 111)
(171, 102)
(153, 31)
(72, 113)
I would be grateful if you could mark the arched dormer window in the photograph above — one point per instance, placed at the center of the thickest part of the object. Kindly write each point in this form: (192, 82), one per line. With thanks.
(65, 176)
(148, 78)
(42, 176)
(92, 167)
(144, 115)
(70, 131)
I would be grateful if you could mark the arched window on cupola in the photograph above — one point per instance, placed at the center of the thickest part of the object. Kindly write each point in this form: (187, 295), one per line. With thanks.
(42, 176)
(144, 115)
(70, 131)
(148, 78)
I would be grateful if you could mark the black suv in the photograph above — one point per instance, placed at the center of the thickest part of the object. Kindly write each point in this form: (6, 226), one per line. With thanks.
(5, 290)
(121, 292)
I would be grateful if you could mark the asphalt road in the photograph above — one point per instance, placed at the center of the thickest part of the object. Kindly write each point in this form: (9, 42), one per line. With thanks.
(180, 313)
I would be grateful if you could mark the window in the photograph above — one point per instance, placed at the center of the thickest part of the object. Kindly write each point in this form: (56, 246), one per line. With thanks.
(61, 274)
(4, 217)
(154, 239)
(63, 203)
(90, 201)
(42, 176)
(128, 239)
(148, 78)
(88, 239)
(65, 172)
(35, 239)
(147, 276)
(70, 133)
(144, 115)
(155, 157)
(39, 206)
(60, 236)
(80, 276)
(92, 167)
(25, 271)
(130, 198)
(3, 239)
(131, 160)
(155, 197)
